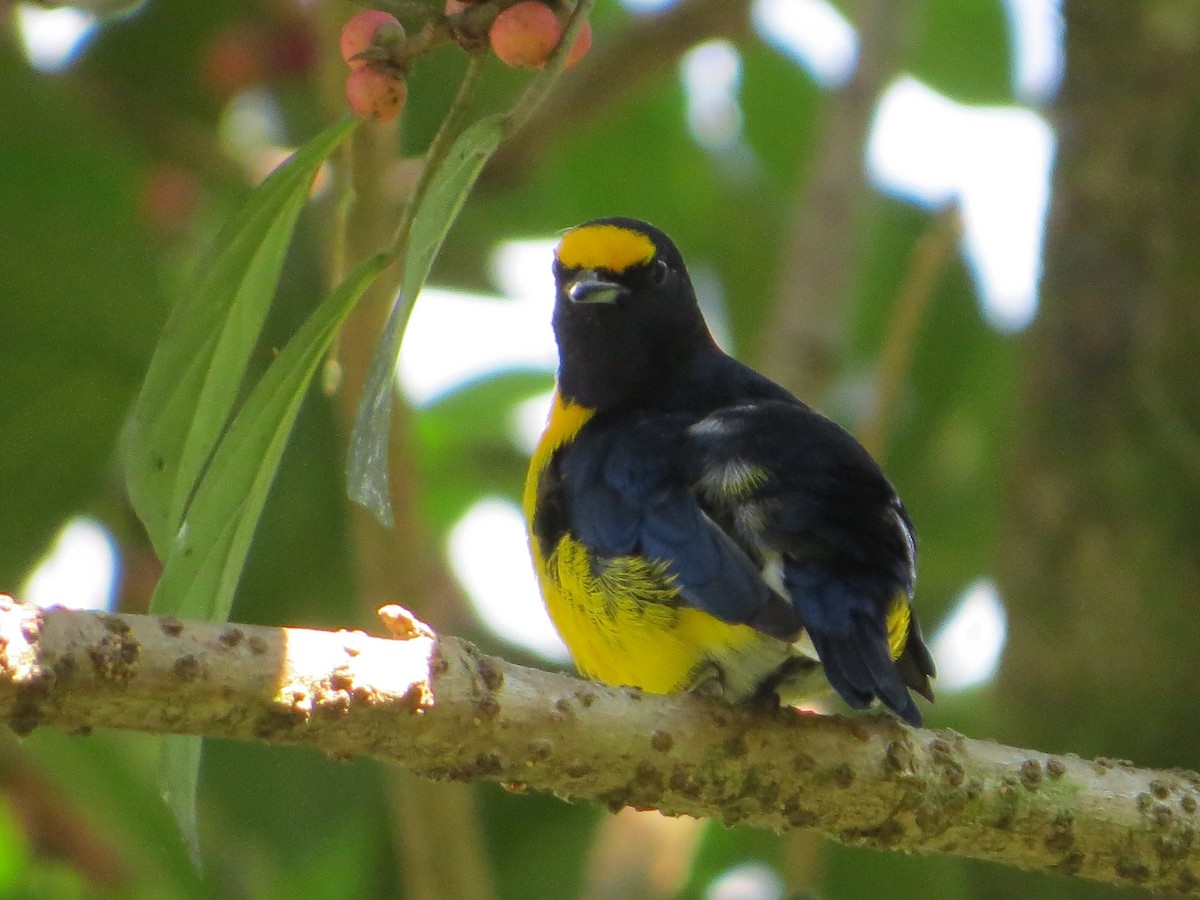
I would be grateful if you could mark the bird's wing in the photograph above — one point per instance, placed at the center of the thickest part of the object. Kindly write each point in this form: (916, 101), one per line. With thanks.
(627, 493)
(808, 501)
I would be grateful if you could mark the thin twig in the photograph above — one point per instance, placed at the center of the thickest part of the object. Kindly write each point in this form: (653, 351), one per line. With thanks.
(451, 125)
(343, 187)
(343, 191)
(470, 27)
(447, 132)
(528, 103)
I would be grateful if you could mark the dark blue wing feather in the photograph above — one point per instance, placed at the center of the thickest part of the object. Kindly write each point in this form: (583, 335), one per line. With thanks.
(848, 629)
(627, 493)
(844, 545)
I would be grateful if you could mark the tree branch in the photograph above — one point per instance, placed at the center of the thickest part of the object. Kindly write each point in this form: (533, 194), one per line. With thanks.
(439, 707)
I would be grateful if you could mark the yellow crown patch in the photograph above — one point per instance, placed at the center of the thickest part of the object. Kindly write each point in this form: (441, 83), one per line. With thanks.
(604, 247)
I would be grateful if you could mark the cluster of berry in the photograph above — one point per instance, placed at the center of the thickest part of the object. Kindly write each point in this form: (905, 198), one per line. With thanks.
(523, 36)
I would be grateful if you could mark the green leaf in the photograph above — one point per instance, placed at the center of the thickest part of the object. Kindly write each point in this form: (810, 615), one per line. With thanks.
(366, 471)
(106, 779)
(179, 779)
(206, 559)
(199, 364)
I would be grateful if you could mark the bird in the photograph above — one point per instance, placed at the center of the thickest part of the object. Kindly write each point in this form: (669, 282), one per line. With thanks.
(693, 525)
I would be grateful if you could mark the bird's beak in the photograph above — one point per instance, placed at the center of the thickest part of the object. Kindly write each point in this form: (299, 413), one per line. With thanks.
(589, 287)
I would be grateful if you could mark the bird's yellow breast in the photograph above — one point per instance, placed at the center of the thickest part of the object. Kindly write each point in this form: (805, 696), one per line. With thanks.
(621, 618)
(624, 624)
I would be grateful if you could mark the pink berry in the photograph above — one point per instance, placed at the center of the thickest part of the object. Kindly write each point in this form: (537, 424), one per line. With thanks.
(366, 30)
(524, 35)
(375, 95)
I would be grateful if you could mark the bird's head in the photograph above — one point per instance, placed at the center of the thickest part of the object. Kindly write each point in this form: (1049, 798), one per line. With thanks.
(625, 314)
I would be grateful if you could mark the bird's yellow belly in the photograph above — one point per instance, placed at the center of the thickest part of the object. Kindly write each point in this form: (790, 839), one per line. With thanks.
(624, 624)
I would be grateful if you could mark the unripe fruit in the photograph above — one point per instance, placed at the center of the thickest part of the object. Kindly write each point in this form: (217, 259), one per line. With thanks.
(524, 35)
(375, 95)
(369, 29)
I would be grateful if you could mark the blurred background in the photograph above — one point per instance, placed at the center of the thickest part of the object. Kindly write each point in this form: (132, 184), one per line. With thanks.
(965, 229)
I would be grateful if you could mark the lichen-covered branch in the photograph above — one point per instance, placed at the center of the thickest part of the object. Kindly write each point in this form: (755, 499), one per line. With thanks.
(443, 709)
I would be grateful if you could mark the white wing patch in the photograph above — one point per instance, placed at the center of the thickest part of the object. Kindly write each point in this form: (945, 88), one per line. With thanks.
(734, 479)
(803, 645)
(909, 538)
(772, 574)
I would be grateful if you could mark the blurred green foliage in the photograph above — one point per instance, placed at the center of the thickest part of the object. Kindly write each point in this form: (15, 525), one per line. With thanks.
(114, 174)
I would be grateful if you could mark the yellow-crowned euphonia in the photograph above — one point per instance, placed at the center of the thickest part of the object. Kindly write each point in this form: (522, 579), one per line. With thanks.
(693, 524)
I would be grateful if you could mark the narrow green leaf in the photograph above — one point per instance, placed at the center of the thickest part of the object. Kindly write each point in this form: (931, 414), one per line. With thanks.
(207, 557)
(366, 468)
(197, 369)
(447, 193)
(366, 471)
(179, 779)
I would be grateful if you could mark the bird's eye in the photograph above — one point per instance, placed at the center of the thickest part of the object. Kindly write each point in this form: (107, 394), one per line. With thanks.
(659, 271)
